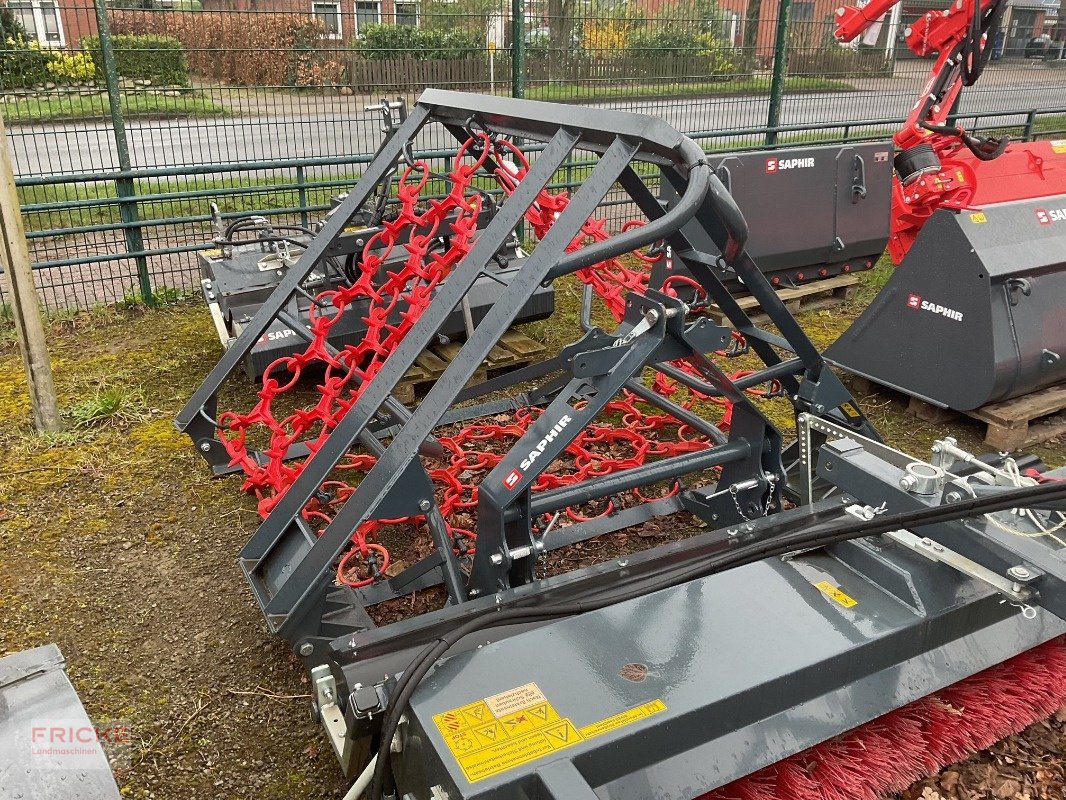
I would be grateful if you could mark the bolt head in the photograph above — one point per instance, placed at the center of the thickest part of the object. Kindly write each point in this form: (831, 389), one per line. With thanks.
(496, 559)
(1019, 573)
(425, 505)
(205, 446)
(306, 649)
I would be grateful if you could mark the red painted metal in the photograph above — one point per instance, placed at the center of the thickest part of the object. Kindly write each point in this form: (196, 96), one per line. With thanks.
(963, 181)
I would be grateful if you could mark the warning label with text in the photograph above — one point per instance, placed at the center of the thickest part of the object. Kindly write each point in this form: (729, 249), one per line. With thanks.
(512, 728)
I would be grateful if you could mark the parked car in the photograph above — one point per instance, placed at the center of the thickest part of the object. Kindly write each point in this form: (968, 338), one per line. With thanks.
(1037, 46)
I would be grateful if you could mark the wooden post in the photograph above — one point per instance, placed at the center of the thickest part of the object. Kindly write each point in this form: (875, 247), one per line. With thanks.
(27, 313)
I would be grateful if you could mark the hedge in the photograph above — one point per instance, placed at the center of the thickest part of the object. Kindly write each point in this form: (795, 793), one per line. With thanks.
(404, 41)
(678, 42)
(271, 49)
(159, 59)
(22, 63)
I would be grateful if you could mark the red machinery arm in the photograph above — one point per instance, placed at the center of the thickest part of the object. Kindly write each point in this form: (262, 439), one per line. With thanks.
(959, 37)
(937, 163)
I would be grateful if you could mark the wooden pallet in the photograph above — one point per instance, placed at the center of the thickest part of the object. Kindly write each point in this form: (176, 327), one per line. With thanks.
(1024, 421)
(1011, 425)
(814, 296)
(514, 350)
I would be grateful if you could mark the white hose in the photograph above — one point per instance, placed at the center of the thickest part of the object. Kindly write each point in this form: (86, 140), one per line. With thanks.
(362, 781)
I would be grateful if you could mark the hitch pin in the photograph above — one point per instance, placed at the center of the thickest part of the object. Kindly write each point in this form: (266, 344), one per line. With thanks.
(743, 486)
(651, 316)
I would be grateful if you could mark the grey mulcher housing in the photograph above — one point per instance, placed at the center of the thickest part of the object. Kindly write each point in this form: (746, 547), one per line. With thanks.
(671, 671)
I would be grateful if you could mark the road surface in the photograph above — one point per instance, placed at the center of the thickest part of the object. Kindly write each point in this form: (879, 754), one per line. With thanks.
(337, 126)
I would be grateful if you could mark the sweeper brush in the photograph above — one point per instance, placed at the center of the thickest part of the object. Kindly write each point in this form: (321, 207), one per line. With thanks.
(608, 575)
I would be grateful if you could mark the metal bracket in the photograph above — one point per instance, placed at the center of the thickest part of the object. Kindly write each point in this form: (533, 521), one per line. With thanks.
(935, 551)
(1012, 589)
(808, 423)
(330, 713)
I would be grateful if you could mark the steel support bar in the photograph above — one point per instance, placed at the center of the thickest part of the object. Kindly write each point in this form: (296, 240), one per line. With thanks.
(331, 229)
(449, 296)
(533, 119)
(685, 464)
(383, 476)
(682, 414)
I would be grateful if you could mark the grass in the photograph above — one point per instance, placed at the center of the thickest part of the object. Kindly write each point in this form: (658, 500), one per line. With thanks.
(1050, 125)
(262, 194)
(573, 91)
(117, 543)
(116, 405)
(134, 104)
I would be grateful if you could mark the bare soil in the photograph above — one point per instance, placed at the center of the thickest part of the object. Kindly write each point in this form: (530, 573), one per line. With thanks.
(116, 544)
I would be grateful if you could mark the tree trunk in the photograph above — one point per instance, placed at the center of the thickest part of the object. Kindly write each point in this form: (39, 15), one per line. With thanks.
(751, 30)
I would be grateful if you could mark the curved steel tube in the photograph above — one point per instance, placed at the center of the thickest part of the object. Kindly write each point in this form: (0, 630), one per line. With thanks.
(701, 182)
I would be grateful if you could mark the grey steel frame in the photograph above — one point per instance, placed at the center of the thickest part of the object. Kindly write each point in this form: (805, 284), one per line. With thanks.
(290, 569)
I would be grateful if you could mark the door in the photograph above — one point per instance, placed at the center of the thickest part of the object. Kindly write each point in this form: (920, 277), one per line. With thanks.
(1022, 26)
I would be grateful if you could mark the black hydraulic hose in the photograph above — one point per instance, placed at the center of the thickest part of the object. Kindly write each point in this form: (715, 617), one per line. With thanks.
(982, 24)
(814, 536)
(289, 239)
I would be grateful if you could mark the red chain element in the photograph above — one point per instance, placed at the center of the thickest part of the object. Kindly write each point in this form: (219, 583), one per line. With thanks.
(390, 307)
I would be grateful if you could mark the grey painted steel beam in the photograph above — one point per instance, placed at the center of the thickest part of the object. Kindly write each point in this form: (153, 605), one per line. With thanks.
(382, 478)
(316, 249)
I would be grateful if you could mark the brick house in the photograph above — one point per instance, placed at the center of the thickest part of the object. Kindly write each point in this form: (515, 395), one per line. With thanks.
(342, 19)
(55, 23)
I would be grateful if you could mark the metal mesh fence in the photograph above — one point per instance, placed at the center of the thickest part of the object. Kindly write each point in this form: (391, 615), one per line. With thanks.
(126, 122)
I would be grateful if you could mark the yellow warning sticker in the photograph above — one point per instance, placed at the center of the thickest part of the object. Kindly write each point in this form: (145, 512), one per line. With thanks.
(831, 591)
(476, 713)
(515, 700)
(212, 253)
(529, 720)
(512, 728)
(1058, 145)
(978, 217)
(625, 718)
(850, 410)
(512, 753)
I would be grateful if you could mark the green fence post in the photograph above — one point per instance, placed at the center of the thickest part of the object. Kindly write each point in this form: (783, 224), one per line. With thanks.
(777, 81)
(518, 48)
(127, 191)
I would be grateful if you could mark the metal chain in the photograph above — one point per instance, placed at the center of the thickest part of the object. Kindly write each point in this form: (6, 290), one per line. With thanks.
(600, 449)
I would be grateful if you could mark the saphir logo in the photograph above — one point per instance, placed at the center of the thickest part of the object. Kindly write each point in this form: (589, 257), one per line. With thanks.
(779, 164)
(1045, 216)
(512, 479)
(915, 301)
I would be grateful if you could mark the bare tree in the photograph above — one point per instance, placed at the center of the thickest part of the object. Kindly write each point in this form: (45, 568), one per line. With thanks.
(751, 29)
(560, 31)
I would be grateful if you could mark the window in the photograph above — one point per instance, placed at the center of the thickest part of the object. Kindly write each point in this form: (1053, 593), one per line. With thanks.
(367, 12)
(407, 14)
(41, 20)
(729, 27)
(803, 11)
(329, 14)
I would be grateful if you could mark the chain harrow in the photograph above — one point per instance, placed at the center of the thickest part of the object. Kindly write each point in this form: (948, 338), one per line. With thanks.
(631, 433)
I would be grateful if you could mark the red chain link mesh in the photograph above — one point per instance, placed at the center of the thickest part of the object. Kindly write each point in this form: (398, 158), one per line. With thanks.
(602, 448)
